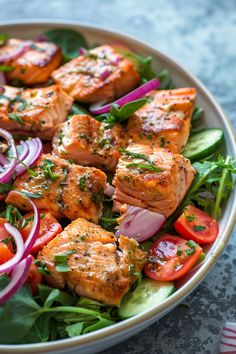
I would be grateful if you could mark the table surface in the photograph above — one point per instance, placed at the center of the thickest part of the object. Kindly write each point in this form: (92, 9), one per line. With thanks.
(201, 36)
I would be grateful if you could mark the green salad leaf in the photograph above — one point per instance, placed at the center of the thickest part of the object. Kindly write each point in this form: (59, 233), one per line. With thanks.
(68, 40)
(119, 115)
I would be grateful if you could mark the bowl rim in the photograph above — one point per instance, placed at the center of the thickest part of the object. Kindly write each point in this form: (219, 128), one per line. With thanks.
(169, 303)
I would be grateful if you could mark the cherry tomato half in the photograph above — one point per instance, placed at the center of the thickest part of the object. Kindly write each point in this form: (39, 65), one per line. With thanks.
(171, 257)
(4, 234)
(194, 224)
(49, 228)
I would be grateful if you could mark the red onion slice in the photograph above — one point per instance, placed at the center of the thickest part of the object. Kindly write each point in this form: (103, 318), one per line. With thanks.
(228, 338)
(104, 75)
(7, 173)
(21, 49)
(18, 277)
(109, 190)
(3, 81)
(82, 51)
(33, 235)
(20, 248)
(35, 150)
(42, 38)
(3, 160)
(138, 93)
(139, 223)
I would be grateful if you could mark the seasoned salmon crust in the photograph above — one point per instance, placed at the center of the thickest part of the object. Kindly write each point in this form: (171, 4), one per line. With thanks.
(98, 267)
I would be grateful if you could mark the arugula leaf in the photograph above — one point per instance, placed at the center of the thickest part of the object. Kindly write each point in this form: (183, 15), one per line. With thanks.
(61, 261)
(3, 38)
(68, 40)
(78, 109)
(119, 115)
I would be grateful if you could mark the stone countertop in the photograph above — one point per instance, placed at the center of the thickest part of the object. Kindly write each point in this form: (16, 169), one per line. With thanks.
(201, 36)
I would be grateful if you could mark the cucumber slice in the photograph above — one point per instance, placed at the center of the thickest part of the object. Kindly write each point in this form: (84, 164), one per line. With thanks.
(148, 294)
(203, 144)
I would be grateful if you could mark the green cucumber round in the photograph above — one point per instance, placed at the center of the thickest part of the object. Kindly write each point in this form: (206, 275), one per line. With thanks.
(203, 144)
(148, 294)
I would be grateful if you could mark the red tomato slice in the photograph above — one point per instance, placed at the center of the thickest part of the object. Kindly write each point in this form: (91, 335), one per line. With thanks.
(171, 257)
(4, 235)
(49, 228)
(34, 278)
(5, 253)
(194, 224)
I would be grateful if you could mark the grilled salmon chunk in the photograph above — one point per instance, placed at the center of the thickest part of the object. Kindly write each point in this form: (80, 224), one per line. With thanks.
(100, 74)
(165, 120)
(36, 112)
(98, 268)
(33, 62)
(87, 142)
(65, 189)
(152, 178)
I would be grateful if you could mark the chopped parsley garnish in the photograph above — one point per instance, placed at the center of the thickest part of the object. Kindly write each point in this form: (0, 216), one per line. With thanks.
(42, 267)
(192, 249)
(16, 118)
(190, 218)
(47, 166)
(6, 68)
(163, 141)
(134, 154)
(179, 251)
(32, 195)
(198, 228)
(60, 136)
(61, 261)
(82, 183)
(3, 38)
(25, 222)
(97, 197)
(144, 167)
(12, 215)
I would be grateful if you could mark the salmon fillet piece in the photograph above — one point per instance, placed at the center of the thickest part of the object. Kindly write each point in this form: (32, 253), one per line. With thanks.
(100, 74)
(165, 120)
(158, 185)
(98, 268)
(86, 141)
(72, 191)
(33, 65)
(36, 112)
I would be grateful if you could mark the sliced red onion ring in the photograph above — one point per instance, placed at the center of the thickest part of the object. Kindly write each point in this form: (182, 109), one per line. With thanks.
(3, 81)
(21, 49)
(138, 93)
(9, 265)
(18, 277)
(228, 338)
(33, 235)
(139, 223)
(7, 173)
(35, 150)
(3, 160)
(109, 190)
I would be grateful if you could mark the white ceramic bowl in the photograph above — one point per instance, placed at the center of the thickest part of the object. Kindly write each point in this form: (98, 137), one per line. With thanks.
(214, 117)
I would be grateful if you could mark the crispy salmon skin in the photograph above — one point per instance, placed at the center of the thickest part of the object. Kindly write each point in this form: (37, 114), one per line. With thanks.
(86, 141)
(32, 62)
(98, 268)
(36, 112)
(65, 189)
(165, 120)
(152, 178)
(100, 74)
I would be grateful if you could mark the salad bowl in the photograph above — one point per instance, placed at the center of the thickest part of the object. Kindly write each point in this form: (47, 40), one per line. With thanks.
(214, 116)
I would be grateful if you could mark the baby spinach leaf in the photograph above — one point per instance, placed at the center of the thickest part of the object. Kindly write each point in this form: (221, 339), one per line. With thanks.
(17, 315)
(68, 40)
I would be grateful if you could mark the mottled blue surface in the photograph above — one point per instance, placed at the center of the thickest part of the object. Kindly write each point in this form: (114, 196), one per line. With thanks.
(201, 35)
